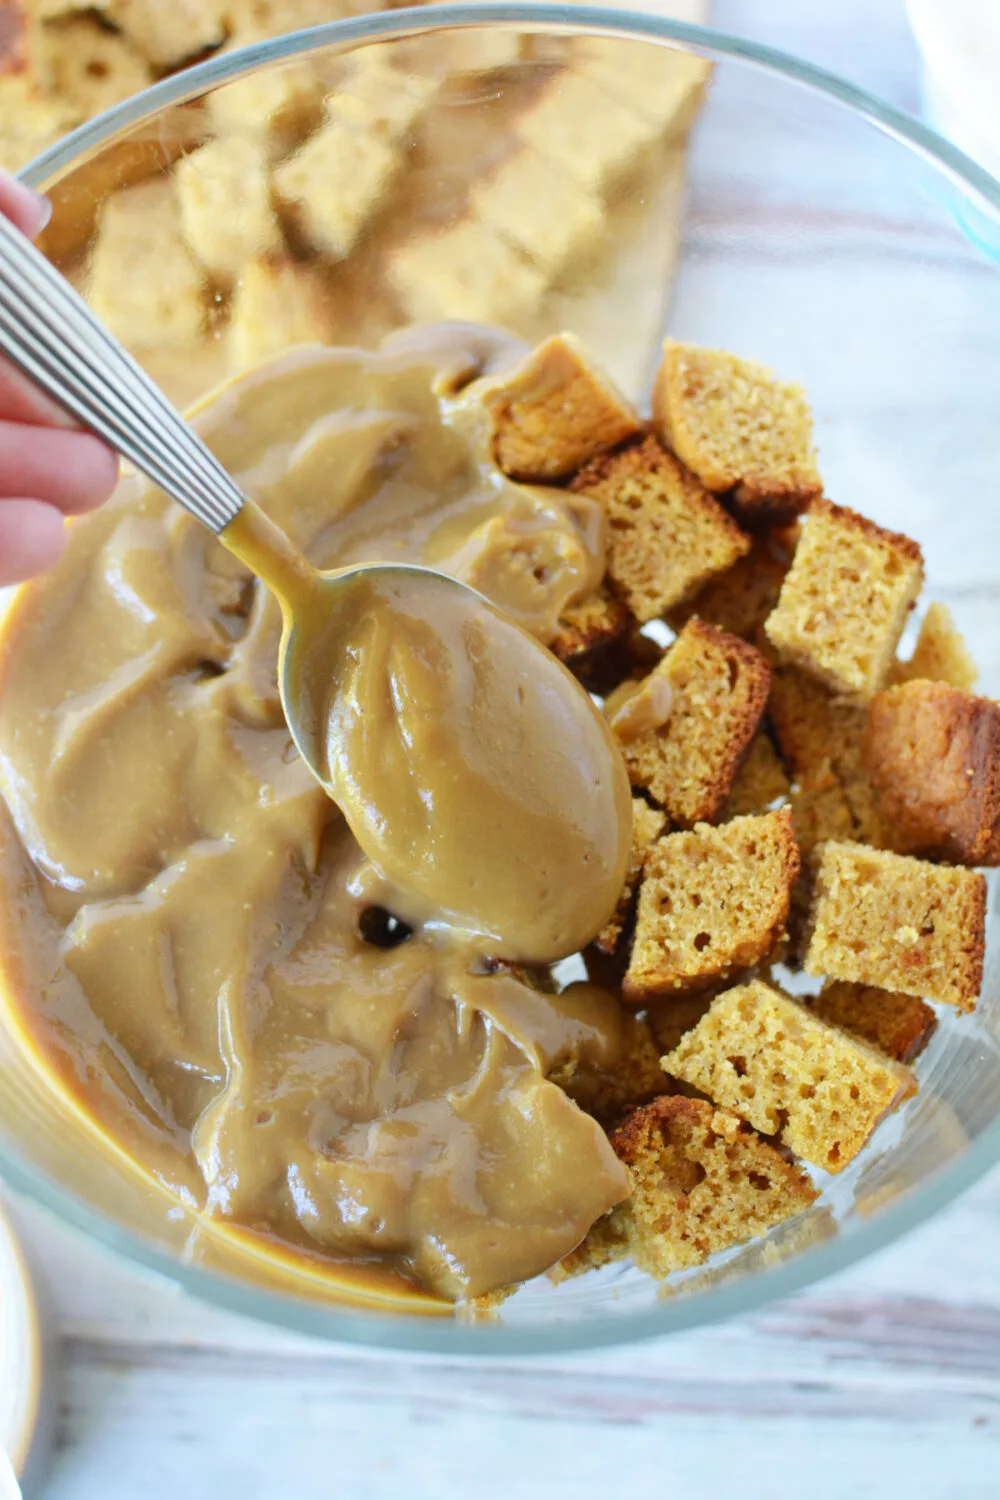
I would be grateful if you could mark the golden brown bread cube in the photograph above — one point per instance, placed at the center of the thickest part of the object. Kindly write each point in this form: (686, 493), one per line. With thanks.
(898, 923)
(740, 599)
(531, 202)
(898, 1025)
(586, 133)
(702, 1181)
(671, 1016)
(277, 303)
(739, 429)
(29, 122)
(588, 628)
(381, 100)
(85, 67)
(226, 213)
(933, 753)
(940, 654)
(609, 1093)
(666, 535)
(466, 272)
(647, 825)
(844, 602)
(712, 900)
(821, 740)
(791, 1074)
(663, 86)
(718, 686)
(142, 279)
(278, 105)
(167, 35)
(334, 184)
(760, 781)
(554, 411)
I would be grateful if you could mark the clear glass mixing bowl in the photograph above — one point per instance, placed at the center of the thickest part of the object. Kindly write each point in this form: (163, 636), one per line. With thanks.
(825, 235)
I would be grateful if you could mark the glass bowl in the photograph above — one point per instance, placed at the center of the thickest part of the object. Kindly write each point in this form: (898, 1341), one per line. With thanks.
(824, 234)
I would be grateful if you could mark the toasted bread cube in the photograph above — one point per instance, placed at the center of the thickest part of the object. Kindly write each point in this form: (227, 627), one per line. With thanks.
(898, 1025)
(933, 752)
(940, 654)
(334, 184)
(738, 428)
(663, 86)
(680, 1012)
(666, 534)
(821, 741)
(380, 99)
(898, 923)
(554, 411)
(167, 35)
(278, 105)
(464, 272)
(586, 133)
(277, 303)
(688, 763)
(588, 627)
(712, 901)
(845, 600)
(740, 599)
(143, 281)
(531, 202)
(702, 1181)
(760, 781)
(790, 1074)
(609, 1093)
(86, 67)
(647, 825)
(226, 212)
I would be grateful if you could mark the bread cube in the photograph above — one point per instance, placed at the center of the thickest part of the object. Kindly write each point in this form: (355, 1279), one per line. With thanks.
(740, 599)
(760, 781)
(702, 1181)
(334, 184)
(647, 825)
(663, 86)
(276, 304)
(739, 429)
(898, 923)
(86, 67)
(898, 1025)
(464, 272)
(532, 203)
(278, 105)
(142, 279)
(588, 628)
(666, 534)
(845, 600)
(933, 753)
(940, 654)
(688, 763)
(712, 901)
(227, 217)
(587, 134)
(791, 1074)
(554, 411)
(381, 100)
(167, 35)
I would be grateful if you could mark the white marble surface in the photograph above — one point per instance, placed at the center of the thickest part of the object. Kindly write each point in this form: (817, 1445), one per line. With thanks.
(884, 1380)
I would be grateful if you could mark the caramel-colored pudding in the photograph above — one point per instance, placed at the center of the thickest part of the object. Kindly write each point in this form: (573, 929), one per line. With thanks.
(272, 1025)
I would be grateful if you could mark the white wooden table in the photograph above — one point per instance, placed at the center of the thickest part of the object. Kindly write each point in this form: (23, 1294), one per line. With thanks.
(885, 1380)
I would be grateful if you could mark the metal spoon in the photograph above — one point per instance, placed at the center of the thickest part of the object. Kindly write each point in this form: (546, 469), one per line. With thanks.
(555, 845)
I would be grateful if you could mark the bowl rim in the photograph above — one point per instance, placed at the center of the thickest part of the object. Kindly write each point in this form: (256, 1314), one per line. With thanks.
(457, 1337)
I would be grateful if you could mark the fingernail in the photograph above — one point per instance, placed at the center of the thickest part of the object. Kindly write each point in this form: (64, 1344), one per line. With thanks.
(36, 207)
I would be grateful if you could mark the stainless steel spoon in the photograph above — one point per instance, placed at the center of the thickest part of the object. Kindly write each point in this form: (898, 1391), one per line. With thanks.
(429, 845)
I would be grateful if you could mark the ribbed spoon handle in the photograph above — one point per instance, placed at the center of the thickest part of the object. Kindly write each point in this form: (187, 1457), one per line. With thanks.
(50, 333)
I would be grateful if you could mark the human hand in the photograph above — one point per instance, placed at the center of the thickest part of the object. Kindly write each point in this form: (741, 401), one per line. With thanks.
(49, 468)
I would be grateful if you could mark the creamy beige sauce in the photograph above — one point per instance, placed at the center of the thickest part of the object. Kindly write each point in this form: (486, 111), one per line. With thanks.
(305, 1042)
